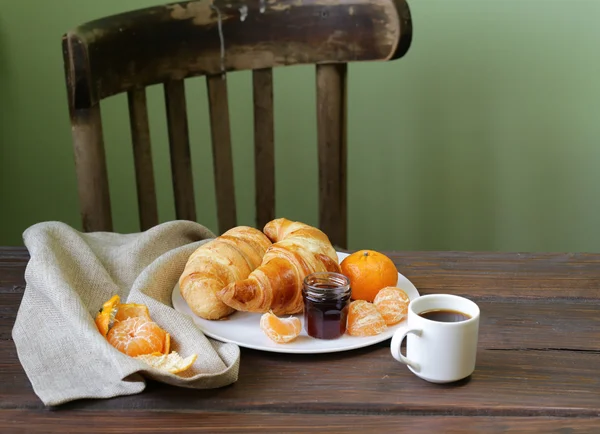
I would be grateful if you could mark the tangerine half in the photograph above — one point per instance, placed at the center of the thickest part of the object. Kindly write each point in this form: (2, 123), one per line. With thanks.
(364, 319)
(368, 271)
(392, 304)
(280, 330)
(136, 336)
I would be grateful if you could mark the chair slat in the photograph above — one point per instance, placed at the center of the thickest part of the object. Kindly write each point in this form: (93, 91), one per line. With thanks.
(142, 154)
(189, 38)
(222, 154)
(106, 57)
(181, 163)
(331, 130)
(264, 146)
(90, 165)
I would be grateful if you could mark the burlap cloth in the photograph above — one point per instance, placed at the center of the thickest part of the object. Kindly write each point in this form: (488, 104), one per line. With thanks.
(71, 274)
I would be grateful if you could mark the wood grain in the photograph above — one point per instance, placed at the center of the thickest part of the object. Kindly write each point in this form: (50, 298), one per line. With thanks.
(12, 266)
(264, 146)
(537, 366)
(370, 381)
(179, 143)
(88, 139)
(90, 166)
(142, 155)
(218, 103)
(147, 421)
(553, 276)
(547, 347)
(331, 134)
(173, 42)
(553, 325)
(166, 44)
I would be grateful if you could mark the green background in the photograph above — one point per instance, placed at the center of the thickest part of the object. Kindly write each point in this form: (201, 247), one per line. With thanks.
(484, 137)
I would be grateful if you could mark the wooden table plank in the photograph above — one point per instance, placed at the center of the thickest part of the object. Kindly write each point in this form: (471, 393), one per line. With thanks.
(539, 325)
(146, 421)
(477, 274)
(512, 383)
(505, 383)
(485, 274)
(538, 356)
(528, 325)
(12, 266)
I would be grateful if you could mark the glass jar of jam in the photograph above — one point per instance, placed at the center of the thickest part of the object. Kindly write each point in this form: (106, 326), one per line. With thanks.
(326, 298)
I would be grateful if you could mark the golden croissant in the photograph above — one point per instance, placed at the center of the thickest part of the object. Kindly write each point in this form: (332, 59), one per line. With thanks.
(228, 258)
(298, 250)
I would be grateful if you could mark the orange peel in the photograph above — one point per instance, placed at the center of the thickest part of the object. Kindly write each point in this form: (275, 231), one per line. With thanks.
(172, 362)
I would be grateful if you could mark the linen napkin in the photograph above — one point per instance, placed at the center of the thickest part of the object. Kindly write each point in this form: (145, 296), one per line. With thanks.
(71, 274)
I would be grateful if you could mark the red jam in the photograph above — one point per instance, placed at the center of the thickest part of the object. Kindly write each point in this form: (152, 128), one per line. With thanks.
(326, 299)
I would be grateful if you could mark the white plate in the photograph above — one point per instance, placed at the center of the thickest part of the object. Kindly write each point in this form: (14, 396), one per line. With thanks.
(242, 328)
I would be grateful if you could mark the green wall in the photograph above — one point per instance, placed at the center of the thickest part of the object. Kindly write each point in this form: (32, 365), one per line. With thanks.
(484, 137)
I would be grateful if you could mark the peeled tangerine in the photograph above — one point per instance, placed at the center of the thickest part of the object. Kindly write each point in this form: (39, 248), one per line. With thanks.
(364, 319)
(392, 304)
(280, 330)
(137, 336)
(113, 312)
(130, 329)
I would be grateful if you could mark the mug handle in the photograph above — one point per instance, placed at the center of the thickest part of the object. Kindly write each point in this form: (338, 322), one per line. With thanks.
(397, 339)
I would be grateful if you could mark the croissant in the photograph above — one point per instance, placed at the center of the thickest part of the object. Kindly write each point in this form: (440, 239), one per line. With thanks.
(226, 259)
(298, 250)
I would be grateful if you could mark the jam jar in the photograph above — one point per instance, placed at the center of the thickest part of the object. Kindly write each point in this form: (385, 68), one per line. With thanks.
(326, 298)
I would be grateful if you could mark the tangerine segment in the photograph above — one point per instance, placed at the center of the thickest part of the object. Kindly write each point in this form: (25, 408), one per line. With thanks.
(364, 319)
(280, 330)
(392, 304)
(137, 336)
(368, 271)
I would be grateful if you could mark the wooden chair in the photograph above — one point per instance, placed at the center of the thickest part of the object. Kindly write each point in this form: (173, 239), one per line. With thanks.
(169, 43)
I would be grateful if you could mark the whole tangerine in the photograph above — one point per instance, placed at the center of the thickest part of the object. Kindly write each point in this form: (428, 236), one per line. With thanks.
(368, 271)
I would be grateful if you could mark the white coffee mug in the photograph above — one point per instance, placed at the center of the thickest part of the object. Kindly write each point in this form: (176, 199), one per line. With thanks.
(437, 351)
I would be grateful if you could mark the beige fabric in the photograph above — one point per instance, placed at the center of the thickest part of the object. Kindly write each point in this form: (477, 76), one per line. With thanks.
(71, 274)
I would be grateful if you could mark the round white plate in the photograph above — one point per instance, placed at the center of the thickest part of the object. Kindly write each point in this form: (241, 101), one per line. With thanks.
(242, 328)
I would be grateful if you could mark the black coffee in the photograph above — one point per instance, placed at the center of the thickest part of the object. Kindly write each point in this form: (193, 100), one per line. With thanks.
(444, 315)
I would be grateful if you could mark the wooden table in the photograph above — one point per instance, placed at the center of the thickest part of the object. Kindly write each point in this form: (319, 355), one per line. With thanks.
(538, 367)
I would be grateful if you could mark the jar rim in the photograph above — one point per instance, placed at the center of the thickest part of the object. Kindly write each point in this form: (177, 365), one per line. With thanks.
(340, 283)
(322, 275)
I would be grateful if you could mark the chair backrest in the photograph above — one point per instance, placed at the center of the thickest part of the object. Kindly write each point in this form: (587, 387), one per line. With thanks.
(169, 43)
